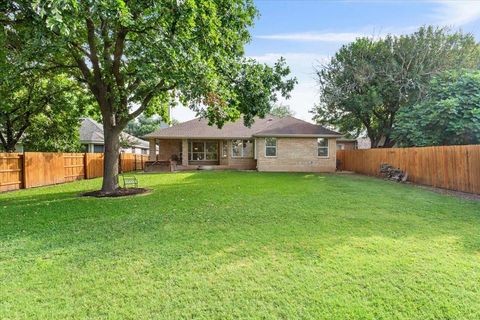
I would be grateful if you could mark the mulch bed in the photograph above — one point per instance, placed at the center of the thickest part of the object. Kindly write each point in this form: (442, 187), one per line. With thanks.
(122, 192)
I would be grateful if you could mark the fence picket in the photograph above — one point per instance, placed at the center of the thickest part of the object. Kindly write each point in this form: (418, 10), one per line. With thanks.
(449, 167)
(34, 169)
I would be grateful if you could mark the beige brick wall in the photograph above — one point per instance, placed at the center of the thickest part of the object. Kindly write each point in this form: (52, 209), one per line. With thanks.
(235, 163)
(296, 154)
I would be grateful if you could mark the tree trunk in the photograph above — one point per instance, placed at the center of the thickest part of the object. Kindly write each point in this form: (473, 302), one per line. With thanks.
(110, 162)
(8, 145)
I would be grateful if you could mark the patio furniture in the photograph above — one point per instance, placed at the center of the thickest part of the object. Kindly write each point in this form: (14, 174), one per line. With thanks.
(129, 180)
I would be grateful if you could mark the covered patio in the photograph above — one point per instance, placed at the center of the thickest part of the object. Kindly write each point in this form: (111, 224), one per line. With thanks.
(188, 154)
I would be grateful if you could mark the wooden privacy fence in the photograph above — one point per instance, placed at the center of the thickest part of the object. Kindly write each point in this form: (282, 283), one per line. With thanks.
(11, 173)
(449, 167)
(34, 169)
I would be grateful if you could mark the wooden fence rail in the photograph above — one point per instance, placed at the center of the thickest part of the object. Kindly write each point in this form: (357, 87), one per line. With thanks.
(34, 169)
(450, 167)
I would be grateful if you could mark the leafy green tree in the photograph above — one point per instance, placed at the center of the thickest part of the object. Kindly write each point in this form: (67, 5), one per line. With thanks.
(54, 132)
(282, 111)
(368, 81)
(38, 106)
(41, 111)
(450, 114)
(143, 125)
(142, 56)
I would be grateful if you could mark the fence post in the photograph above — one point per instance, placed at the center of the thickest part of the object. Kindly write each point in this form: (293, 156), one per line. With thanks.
(85, 166)
(24, 173)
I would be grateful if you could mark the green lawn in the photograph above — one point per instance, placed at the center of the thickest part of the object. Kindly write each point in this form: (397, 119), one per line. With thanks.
(229, 245)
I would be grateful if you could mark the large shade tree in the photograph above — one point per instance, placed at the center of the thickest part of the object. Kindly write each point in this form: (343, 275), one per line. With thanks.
(136, 56)
(450, 114)
(368, 81)
(41, 112)
(38, 107)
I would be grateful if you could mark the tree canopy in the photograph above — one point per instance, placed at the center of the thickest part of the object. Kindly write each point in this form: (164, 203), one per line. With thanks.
(144, 56)
(38, 107)
(282, 111)
(143, 125)
(450, 114)
(368, 81)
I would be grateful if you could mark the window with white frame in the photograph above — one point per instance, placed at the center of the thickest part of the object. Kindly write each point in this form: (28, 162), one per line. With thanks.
(242, 148)
(322, 146)
(270, 147)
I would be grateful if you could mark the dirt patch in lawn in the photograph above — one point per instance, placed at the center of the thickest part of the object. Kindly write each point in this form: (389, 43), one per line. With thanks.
(122, 192)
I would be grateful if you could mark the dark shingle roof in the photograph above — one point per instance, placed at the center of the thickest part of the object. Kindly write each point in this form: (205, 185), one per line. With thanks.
(91, 131)
(290, 126)
(269, 126)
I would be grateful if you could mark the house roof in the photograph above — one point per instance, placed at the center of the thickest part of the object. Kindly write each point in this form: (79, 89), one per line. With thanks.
(92, 132)
(290, 126)
(269, 126)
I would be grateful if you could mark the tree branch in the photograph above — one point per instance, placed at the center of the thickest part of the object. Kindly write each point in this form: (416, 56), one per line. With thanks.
(148, 97)
(3, 141)
(93, 50)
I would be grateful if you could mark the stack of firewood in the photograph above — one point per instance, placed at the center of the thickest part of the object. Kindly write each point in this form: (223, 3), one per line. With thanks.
(391, 173)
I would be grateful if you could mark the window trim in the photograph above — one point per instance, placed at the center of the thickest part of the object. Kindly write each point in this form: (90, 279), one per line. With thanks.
(242, 156)
(191, 152)
(275, 147)
(224, 154)
(323, 147)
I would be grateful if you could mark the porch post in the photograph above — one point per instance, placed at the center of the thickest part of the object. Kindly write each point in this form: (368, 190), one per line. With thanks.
(152, 149)
(184, 152)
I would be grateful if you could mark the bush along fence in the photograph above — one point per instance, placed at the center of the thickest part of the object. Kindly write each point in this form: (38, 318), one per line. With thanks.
(35, 169)
(449, 167)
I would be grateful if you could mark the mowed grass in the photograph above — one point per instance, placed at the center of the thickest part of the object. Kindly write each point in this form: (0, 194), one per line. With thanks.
(230, 245)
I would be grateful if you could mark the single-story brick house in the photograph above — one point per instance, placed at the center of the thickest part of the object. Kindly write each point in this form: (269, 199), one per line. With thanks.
(270, 144)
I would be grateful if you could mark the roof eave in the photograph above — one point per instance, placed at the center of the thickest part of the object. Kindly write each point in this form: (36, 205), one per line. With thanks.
(263, 135)
(197, 137)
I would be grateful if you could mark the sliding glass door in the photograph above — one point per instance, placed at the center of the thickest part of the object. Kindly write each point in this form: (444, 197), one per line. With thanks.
(203, 151)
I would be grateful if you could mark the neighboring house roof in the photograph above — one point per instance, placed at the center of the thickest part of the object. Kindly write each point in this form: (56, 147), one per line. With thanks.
(92, 132)
(269, 126)
(362, 143)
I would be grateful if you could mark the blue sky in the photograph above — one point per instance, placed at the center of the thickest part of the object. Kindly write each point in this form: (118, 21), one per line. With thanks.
(307, 33)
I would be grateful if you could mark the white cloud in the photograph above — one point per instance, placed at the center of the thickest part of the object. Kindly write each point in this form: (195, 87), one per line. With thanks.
(340, 37)
(314, 36)
(294, 59)
(456, 13)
